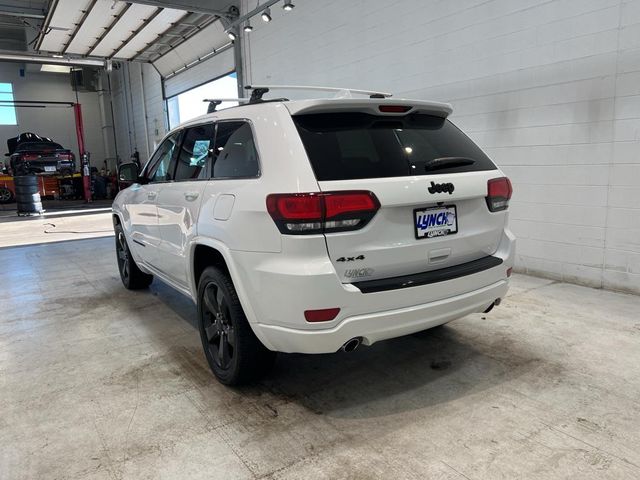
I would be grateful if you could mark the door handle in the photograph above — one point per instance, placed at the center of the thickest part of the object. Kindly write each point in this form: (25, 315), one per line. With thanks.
(191, 196)
(152, 195)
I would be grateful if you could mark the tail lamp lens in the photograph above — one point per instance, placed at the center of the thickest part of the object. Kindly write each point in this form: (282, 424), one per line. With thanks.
(394, 108)
(309, 213)
(499, 192)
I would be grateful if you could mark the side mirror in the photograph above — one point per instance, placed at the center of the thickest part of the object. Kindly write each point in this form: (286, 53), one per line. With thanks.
(128, 172)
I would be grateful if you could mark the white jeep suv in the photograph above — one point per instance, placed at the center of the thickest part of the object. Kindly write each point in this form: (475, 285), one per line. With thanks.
(314, 225)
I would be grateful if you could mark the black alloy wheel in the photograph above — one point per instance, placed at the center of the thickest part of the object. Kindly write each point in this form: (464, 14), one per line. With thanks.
(220, 332)
(234, 353)
(132, 277)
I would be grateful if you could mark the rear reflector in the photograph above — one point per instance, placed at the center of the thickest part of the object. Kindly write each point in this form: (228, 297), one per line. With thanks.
(324, 315)
(394, 108)
(326, 212)
(509, 271)
(499, 192)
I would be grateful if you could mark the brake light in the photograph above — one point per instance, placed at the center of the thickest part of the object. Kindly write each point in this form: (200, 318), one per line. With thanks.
(29, 156)
(499, 192)
(326, 212)
(324, 315)
(394, 108)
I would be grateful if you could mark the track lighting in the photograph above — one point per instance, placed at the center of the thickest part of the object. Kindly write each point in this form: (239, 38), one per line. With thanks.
(266, 14)
(247, 28)
(288, 5)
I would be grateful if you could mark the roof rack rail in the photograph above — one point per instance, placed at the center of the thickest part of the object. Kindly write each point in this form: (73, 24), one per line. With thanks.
(214, 102)
(257, 91)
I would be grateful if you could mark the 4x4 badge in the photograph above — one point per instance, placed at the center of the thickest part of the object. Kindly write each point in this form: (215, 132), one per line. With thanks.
(350, 259)
(441, 188)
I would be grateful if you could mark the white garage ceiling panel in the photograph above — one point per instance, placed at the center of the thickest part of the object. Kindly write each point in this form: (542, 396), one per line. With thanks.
(131, 21)
(101, 16)
(66, 16)
(199, 46)
(151, 32)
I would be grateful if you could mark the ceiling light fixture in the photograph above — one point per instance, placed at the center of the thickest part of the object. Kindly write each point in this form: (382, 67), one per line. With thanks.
(247, 28)
(266, 15)
(231, 34)
(288, 6)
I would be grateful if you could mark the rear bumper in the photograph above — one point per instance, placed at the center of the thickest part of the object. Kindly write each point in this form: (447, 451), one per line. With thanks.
(275, 290)
(381, 325)
(38, 166)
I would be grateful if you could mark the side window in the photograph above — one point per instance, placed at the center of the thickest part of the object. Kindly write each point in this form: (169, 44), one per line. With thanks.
(163, 161)
(235, 151)
(195, 154)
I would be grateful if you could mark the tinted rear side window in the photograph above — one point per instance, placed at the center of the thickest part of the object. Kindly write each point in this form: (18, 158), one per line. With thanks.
(349, 146)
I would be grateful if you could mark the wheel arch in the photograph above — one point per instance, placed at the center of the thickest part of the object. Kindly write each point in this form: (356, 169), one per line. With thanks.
(207, 252)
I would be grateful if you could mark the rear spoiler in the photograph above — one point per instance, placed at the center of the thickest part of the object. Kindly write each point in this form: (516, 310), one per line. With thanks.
(370, 106)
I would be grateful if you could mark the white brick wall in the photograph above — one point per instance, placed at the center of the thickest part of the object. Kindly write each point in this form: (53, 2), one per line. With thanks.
(549, 88)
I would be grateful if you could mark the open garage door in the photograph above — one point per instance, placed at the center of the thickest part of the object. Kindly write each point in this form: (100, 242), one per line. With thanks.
(202, 72)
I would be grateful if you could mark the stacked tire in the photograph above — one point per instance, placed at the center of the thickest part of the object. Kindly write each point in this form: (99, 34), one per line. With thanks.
(27, 195)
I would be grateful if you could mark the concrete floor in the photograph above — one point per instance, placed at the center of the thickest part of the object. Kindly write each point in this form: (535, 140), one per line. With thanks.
(100, 383)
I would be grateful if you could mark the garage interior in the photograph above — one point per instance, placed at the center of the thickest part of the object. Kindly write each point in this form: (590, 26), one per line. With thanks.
(97, 382)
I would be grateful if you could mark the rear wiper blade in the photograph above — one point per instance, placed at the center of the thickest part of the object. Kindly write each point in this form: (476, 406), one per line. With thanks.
(447, 162)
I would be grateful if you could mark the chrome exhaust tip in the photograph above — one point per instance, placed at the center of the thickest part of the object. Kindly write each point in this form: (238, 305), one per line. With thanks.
(351, 345)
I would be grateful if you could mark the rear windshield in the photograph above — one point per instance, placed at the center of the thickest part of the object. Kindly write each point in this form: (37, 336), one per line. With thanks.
(349, 146)
(38, 146)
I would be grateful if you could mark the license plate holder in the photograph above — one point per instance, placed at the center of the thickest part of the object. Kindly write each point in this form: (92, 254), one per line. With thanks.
(435, 221)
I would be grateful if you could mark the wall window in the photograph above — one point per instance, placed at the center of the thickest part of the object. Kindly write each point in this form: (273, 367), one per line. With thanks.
(7, 112)
(189, 104)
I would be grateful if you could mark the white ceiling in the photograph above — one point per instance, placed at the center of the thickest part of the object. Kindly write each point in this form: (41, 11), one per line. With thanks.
(170, 38)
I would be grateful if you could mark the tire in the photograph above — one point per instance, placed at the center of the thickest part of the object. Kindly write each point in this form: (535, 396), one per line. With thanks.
(234, 353)
(6, 195)
(25, 180)
(29, 207)
(28, 197)
(132, 277)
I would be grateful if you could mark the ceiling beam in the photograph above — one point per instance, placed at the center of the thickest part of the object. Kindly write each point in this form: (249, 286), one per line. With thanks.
(109, 28)
(146, 22)
(35, 58)
(18, 14)
(85, 14)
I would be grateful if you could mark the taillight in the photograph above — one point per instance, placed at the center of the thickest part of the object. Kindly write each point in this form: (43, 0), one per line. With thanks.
(29, 156)
(394, 108)
(498, 194)
(326, 212)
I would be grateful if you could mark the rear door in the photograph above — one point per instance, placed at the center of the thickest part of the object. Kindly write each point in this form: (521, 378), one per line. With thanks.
(430, 180)
(179, 201)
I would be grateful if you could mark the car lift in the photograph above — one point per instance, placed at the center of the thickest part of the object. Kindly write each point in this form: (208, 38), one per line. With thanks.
(77, 116)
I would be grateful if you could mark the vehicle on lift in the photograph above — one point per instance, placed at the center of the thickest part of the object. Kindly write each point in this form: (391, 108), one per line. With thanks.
(32, 154)
(312, 226)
